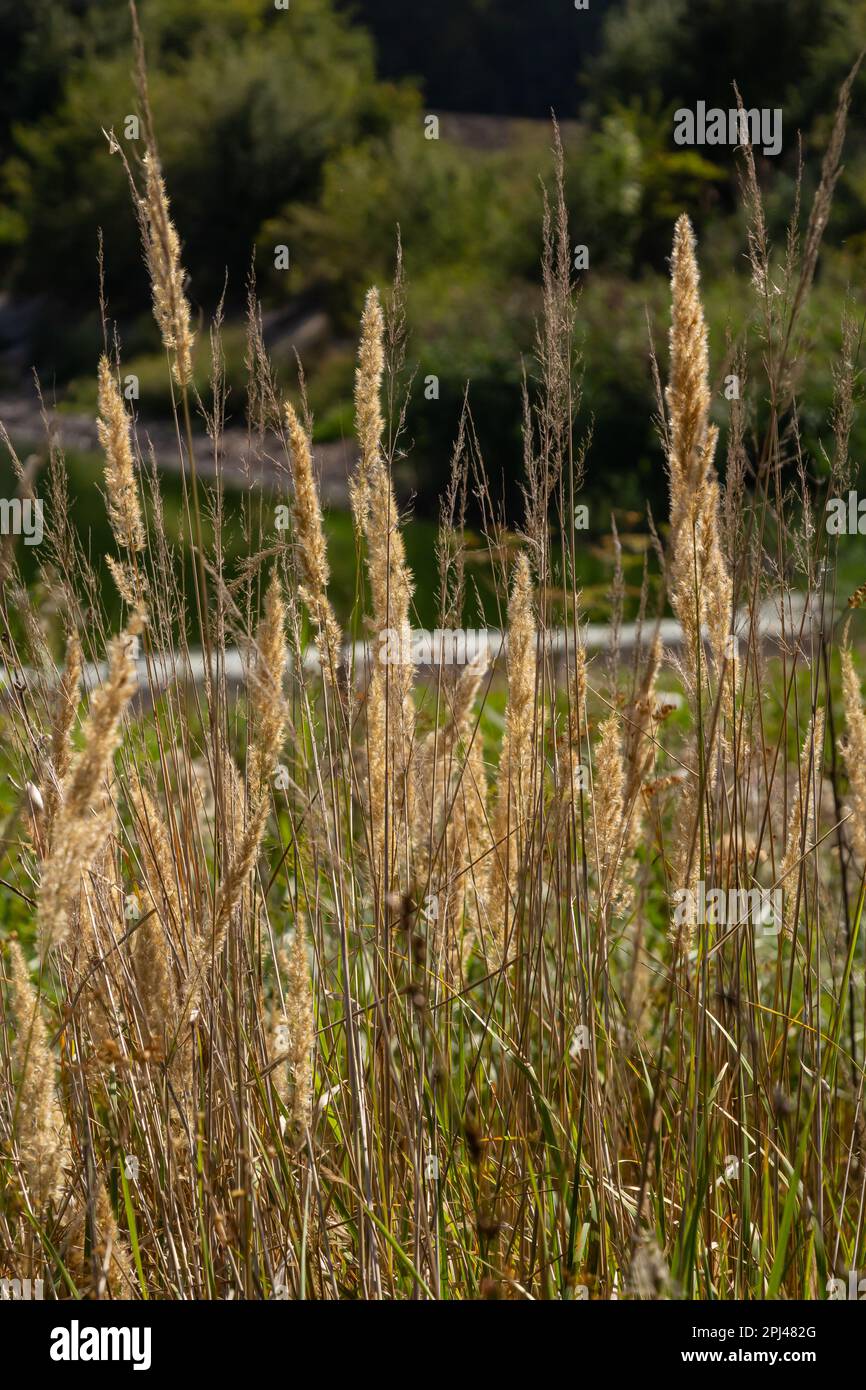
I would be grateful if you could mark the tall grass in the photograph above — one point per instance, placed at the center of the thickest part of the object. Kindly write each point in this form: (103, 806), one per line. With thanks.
(367, 980)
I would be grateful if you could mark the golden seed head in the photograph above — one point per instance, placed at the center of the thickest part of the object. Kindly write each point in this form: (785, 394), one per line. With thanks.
(162, 250)
(312, 547)
(113, 429)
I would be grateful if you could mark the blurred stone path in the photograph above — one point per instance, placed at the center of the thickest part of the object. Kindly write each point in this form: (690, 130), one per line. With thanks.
(241, 465)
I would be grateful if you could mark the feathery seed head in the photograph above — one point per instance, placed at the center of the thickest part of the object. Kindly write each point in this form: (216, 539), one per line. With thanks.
(80, 823)
(43, 1138)
(688, 394)
(162, 251)
(312, 548)
(124, 511)
(68, 695)
(369, 424)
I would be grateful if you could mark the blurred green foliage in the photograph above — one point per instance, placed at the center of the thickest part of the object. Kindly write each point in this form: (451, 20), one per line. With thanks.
(275, 128)
(249, 101)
